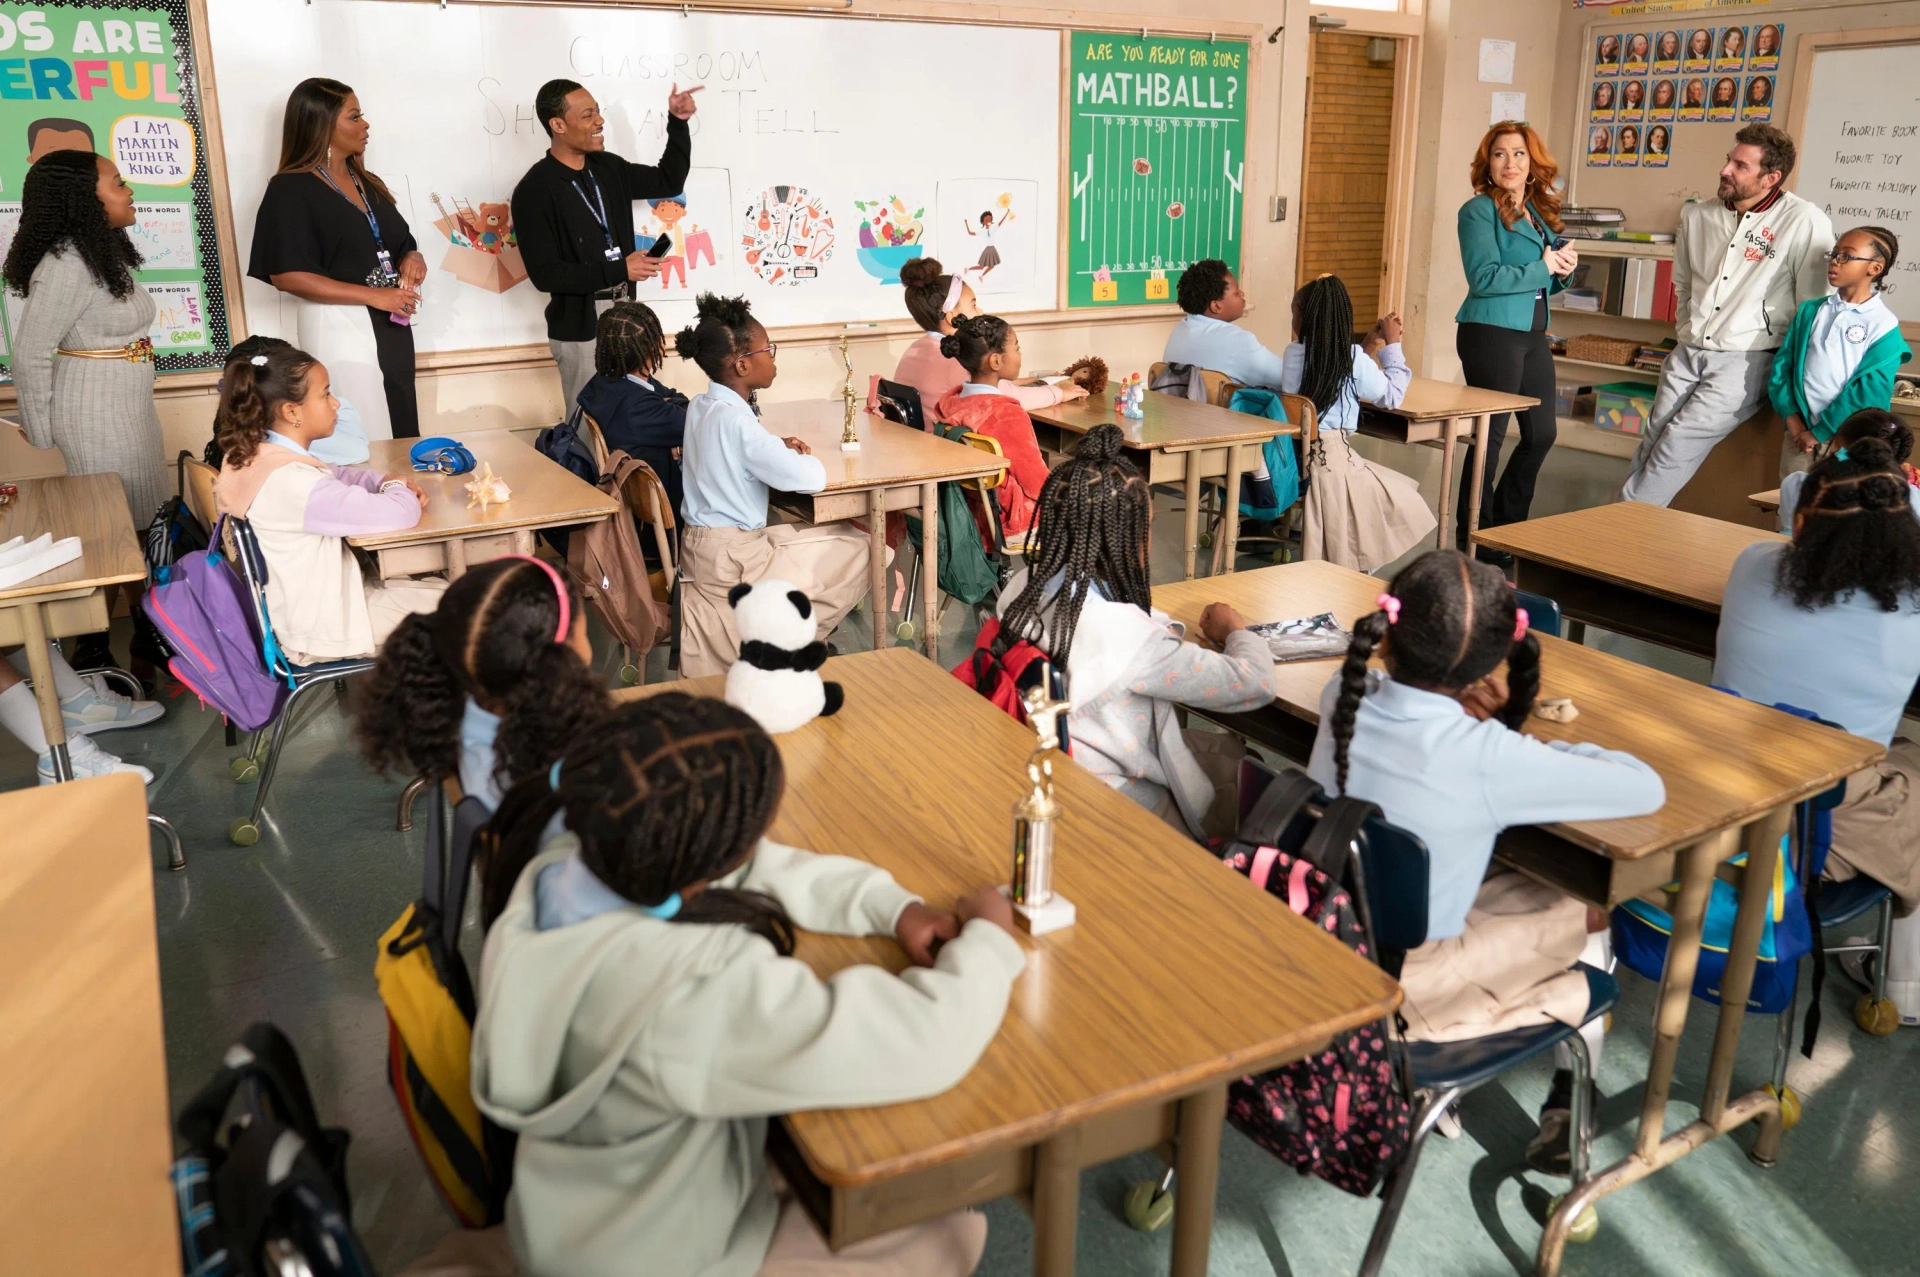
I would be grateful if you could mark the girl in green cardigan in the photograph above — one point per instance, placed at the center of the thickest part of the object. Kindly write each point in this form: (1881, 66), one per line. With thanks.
(1841, 351)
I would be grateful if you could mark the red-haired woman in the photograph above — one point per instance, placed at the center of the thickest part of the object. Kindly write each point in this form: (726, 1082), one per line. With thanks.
(1508, 236)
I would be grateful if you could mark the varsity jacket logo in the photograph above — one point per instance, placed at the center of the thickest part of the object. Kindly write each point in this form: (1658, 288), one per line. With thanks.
(1760, 244)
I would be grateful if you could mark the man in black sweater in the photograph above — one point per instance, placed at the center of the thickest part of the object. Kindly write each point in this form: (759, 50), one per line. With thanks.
(573, 218)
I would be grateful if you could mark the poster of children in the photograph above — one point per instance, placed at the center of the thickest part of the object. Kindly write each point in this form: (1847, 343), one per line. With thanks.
(982, 235)
(692, 262)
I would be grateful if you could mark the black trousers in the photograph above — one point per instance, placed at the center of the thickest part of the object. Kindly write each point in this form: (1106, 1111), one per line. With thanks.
(1518, 363)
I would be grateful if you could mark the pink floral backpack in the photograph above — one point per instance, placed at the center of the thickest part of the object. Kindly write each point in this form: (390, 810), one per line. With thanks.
(1343, 1114)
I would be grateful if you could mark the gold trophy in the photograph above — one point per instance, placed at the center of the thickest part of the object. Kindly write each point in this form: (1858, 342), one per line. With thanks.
(1037, 906)
(849, 441)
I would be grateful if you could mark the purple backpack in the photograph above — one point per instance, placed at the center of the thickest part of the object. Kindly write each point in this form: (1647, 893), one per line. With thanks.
(1343, 1114)
(205, 613)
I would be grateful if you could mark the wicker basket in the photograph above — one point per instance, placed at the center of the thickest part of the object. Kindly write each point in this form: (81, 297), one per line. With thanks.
(1596, 349)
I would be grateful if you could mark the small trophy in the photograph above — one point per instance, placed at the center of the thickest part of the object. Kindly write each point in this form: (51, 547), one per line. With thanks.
(849, 441)
(1035, 903)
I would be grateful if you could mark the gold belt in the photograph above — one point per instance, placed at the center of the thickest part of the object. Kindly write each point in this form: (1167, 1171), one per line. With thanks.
(134, 352)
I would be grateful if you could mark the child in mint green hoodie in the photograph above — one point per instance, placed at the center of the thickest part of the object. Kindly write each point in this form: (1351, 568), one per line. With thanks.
(1842, 351)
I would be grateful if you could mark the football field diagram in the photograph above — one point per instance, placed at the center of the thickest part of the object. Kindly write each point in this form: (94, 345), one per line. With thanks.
(1155, 193)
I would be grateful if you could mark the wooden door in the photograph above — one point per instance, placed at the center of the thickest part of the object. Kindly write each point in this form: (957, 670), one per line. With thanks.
(1349, 167)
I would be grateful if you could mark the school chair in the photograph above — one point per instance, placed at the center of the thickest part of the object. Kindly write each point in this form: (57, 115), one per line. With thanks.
(981, 490)
(1543, 614)
(1290, 530)
(1219, 386)
(196, 489)
(244, 550)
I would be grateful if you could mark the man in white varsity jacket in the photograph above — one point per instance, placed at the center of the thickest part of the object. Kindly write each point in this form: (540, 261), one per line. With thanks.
(1742, 264)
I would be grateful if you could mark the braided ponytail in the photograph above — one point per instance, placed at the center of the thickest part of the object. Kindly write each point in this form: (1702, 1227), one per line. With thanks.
(1367, 633)
(1326, 333)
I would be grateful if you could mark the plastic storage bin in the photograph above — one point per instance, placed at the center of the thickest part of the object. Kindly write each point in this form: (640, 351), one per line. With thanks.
(1625, 406)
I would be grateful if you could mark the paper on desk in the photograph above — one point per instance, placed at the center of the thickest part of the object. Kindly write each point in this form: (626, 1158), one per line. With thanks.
(1305, 638)
(22, 560)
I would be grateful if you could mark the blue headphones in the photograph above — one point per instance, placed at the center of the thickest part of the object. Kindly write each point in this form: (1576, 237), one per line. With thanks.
(441, 455)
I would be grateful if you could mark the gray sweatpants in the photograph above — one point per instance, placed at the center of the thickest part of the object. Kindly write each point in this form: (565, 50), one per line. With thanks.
(575, 361)
(1703, 396)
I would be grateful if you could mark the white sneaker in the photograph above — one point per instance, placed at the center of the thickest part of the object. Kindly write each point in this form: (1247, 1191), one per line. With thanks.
(89, 759)
(96, 707)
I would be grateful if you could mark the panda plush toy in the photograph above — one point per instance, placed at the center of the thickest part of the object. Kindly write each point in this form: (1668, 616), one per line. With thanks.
(777, 676)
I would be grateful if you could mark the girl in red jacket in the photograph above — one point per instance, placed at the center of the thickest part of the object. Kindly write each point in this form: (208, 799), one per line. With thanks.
(989, 350)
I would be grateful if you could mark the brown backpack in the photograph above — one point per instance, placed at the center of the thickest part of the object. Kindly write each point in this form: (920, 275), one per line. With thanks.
(604, 560)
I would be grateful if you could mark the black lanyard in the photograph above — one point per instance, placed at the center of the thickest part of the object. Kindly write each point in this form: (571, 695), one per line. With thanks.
(365, 207)
(597, 209)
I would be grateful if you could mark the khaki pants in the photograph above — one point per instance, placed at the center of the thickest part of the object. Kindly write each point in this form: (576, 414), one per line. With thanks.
(828, 564)
(1876, 828)
(949, 1246)
(575, 362)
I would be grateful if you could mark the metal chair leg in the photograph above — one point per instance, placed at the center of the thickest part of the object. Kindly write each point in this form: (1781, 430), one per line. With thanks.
(1783, 1040)
(1885, 937)
(403, 818)
(279, 738)
(1580, 1140)
(1401, 1179)
(176, 858)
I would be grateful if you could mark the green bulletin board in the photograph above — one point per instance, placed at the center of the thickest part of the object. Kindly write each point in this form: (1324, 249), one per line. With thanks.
(1157, 144)
(119, 79)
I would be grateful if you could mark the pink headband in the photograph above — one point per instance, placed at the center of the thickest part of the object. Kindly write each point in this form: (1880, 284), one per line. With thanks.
(953, 295)
(560, 591)
(1519, 624)
(1391, 606)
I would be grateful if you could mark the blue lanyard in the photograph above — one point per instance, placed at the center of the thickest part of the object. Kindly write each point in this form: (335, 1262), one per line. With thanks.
(365, 208)
(597, 206)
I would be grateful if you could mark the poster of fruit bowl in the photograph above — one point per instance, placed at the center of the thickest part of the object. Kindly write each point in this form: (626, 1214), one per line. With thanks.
(889, 236)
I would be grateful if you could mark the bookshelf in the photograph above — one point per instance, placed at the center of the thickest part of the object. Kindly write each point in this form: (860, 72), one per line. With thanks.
(1580, 433)
(1623, 248)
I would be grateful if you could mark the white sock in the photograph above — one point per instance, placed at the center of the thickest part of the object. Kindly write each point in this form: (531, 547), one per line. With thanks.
(20, 715)
(65, 681)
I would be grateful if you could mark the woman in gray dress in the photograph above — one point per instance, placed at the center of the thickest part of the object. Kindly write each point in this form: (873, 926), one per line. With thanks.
(82, 359)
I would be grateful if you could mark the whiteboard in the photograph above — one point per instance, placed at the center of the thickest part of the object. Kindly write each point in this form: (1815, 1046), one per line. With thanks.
(1860, 152)
(797, 113)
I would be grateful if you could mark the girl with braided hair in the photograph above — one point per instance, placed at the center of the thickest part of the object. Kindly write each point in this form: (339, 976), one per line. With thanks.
(642, 1016)
(1830, 622)
(490, 686)
(728, 465)
(1842, 350)
(1868, 423)
(1084, 598)
(989, 350)
(637, 413)
(1435, 740)
(1358, 514)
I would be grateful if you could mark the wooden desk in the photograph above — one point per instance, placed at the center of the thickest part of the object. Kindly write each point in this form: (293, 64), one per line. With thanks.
(83, 1065)
(72, 598)
(21, 460)
(1768, 501)
(1733, 770)
(1644, 570)
(1123, 1033)
(1176, 441)
(896, 468)
(449, 536)
(1438, 413)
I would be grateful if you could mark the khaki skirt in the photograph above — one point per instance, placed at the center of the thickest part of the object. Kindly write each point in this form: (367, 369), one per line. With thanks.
(1359, 514)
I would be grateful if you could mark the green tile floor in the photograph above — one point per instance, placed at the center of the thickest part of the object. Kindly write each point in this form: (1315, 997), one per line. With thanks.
(285, 931)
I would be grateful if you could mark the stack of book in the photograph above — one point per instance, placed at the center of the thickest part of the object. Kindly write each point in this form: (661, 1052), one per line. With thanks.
(1590, 221)
(1652, 358)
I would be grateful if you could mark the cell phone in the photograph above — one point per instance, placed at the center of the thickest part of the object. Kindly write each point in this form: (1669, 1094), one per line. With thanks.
(660, 247)
(1560, 242)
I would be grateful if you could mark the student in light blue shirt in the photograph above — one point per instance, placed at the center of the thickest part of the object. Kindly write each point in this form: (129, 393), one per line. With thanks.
(729, 462)
(1436, 742)
(1210, 336)
(490, 686)
(1359, 514)
(1868, 423)
(1830, 622)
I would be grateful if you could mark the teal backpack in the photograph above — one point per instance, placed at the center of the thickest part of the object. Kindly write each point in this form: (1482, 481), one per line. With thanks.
(1282, 467)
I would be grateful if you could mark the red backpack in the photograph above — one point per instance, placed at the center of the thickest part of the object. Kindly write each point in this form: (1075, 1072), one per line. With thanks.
(1344, 1114)
(999, 670)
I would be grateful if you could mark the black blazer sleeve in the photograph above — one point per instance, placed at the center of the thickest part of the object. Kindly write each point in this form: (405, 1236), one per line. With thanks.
(542, 235)
(669, 176)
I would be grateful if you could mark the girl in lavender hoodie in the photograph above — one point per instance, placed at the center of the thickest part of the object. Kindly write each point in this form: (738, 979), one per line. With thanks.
(272, 409)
